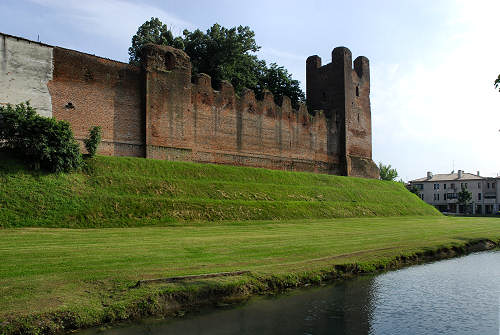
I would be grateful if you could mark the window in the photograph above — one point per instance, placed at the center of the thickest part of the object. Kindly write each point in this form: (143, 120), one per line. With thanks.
(357, 91)
(488, 185)
(479, 196)
(453, 186)
(438, 196)
(436, 186)
(493, 185)
(445, 196)
(478, 185)
(444, 186)
(451, 196)
(419, 186)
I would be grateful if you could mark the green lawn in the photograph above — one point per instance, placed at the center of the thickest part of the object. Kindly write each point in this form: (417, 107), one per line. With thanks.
(124, 191)
(72, 246)
(88, 270)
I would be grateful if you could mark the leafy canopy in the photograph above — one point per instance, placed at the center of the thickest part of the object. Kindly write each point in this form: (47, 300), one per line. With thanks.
(497, 83)
(92, 142)
(152, 31)
(413, 189)
(42, 141)
(387, 172)
(223, 54)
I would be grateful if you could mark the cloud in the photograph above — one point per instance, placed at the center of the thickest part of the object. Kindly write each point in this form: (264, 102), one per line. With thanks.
(115, 19)
(280, 54)
(444, 110)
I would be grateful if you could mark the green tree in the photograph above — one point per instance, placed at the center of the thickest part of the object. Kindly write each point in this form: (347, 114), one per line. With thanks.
(413, 189)
(225, 54)
(497, 83)
(152, 31)
(43, 142)
(277, 80)
(92, 142)
(387, 172)
(464, 197)
(228, 54)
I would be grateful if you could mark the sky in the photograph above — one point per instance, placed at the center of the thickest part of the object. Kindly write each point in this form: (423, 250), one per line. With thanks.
(433, 62)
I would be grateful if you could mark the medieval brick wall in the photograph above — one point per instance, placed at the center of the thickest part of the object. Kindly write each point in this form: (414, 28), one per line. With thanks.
(156, 111)
(88, 91)
(194, 122)
(343, 93)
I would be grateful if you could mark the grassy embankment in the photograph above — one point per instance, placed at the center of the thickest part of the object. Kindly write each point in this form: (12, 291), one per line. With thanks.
(123, 192)
(55, 277)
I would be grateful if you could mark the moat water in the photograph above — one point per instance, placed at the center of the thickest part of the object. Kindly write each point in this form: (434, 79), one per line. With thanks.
(457, 296)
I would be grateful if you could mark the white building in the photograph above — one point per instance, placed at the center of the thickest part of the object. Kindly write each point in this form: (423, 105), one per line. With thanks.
(441, 191)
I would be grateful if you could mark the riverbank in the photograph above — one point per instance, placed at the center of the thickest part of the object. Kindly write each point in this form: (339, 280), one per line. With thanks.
(55, 280)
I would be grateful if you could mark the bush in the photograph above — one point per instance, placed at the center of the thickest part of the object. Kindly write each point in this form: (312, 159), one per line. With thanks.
(44, 142)
(92, 142)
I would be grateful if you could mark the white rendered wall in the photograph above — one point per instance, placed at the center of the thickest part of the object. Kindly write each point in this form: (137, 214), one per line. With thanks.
(25, 69)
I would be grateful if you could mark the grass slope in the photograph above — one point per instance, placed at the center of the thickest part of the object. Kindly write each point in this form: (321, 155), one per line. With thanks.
(121, 192)
(84, 277)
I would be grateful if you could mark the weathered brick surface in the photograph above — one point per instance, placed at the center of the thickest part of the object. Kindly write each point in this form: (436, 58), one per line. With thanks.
(157, 112)
(88, 91)
(343, 93)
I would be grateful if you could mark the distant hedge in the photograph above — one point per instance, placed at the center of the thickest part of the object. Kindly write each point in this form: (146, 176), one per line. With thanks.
(44, 142)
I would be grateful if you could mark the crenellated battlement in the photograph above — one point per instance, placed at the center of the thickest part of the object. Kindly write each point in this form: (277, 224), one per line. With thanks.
(342, 90)
(159, 111)
(203, 92)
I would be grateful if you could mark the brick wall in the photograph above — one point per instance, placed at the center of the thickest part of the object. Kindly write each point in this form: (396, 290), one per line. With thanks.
(343, 93)
(88, 91)
(155, 111)
(197, 123)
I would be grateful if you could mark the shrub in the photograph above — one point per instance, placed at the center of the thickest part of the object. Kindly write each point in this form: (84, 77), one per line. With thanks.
(92, 142)
(44, 142)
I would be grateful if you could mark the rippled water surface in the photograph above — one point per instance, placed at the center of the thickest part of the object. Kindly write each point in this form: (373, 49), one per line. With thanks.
(458, 296)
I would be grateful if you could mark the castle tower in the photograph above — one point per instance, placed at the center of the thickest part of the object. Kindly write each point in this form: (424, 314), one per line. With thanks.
(167, 98)
(343, 93)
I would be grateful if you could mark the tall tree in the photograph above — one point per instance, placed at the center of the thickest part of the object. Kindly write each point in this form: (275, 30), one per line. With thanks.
(464, 197)
(277, 80)
(387, 172)
(225, 54)
(497, 83)
(152, 31)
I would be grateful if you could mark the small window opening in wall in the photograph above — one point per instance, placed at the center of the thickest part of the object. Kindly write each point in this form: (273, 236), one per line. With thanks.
(357, 91)
(358, 117)
(69, 105)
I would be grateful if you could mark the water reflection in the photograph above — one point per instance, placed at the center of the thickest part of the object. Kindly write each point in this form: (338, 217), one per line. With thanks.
(459, 296)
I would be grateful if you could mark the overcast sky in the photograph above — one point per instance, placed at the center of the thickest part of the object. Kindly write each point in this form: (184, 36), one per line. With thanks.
(433, 62)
